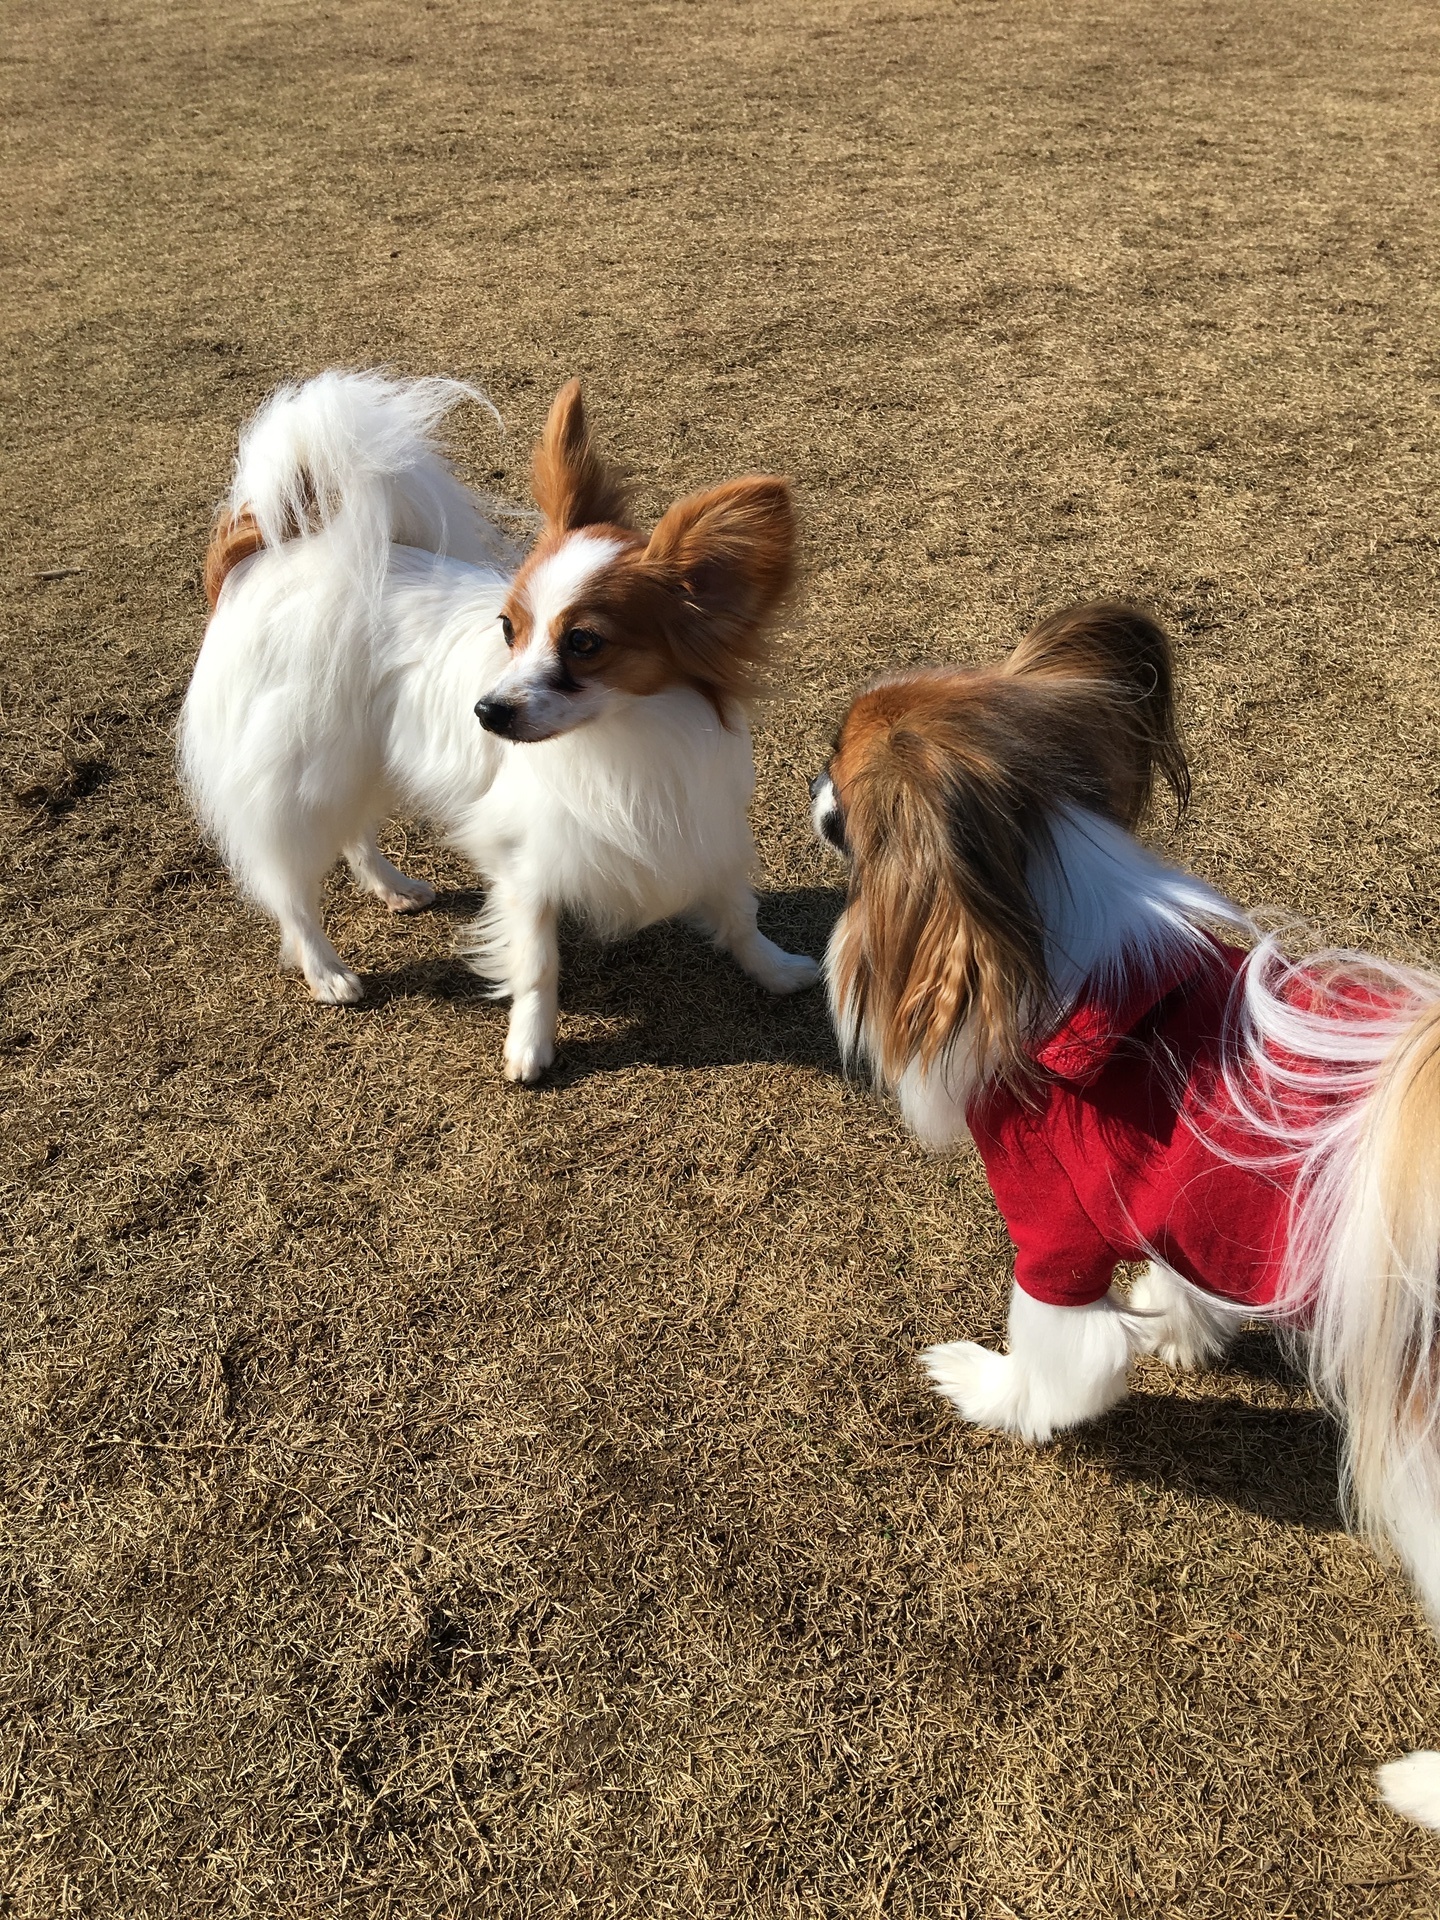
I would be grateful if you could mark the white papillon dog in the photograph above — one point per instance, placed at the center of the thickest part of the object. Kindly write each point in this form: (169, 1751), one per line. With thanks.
(1264, 1133)
(575, 725)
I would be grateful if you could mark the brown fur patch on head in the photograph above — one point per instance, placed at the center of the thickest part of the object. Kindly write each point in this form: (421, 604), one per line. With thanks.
(948, 782)
(1125, 651)
(690, 607)
(518, 609)
(574, 485)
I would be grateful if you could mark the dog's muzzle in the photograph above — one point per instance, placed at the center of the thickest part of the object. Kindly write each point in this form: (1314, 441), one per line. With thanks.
(825, 814)
(498, 716)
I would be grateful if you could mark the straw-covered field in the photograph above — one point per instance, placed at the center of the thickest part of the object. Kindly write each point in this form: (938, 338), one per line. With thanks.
(424, 1498)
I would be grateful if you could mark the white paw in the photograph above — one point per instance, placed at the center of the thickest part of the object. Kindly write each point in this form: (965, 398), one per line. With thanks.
(405, 895)
(1166, 1339)
(781, 972)
(336, 987)
(526, 1061)
(1175, 1329)
(1412, 1786)
(979, 1384)
(1184, 1355)
(800, 972)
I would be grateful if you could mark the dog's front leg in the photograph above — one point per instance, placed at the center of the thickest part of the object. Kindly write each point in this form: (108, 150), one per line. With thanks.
(728, 916)
(1066, 1365)
(523, 929)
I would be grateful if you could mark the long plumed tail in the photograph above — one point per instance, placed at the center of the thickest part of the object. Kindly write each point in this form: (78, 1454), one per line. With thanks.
(1362, 1277)
(352, 456)
(1337, 1069)
(1375, 1339)
(1375, 1348)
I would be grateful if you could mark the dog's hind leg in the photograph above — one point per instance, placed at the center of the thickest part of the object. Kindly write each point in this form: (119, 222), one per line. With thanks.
(728, 917)
(329, 979)
(377, 875)
(1180, 1325)
(303, 944)
(1411, 1785)
(289, 890)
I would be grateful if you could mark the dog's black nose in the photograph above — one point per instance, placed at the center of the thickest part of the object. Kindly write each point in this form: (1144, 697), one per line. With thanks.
(496, 716)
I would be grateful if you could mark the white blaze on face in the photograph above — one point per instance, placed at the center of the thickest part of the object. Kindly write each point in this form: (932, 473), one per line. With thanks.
(557, 583)
(532, 682)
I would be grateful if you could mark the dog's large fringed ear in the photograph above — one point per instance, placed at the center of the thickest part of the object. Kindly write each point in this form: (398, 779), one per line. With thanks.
(728, 556)
(574, 486)
(942, 936)
(1124, 651)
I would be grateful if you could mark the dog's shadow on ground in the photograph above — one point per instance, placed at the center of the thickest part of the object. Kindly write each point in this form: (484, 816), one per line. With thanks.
(666, 998)
(663, 997)
(1278, 1461)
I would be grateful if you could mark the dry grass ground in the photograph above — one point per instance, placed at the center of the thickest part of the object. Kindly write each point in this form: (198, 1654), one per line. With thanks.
(424, 1499)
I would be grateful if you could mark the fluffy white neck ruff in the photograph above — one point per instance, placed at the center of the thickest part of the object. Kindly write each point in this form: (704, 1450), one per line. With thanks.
(1116, 917)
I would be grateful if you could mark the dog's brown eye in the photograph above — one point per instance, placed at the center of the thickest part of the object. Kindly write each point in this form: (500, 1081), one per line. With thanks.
(507, 630)
(582, 644)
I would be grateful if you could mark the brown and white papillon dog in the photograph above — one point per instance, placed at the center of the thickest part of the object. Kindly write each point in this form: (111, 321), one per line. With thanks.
(575, 724)
(1263, 1132)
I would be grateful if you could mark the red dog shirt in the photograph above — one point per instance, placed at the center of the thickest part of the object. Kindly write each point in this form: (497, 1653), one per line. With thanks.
(1125, 1154)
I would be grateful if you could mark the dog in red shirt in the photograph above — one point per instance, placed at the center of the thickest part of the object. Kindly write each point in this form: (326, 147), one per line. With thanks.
(1262, 1133)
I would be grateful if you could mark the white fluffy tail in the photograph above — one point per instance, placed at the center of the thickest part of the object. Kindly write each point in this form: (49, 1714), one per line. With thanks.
(1373, 1347)
(1338, 1070)
(1373, 1341)
(354, 456)
(1336, 1066)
